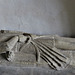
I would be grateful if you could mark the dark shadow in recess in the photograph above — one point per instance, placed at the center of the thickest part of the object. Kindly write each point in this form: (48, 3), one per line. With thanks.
(69, 6)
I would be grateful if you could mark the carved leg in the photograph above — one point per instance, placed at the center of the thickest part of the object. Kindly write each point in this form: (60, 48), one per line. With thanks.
(11, 43)
(7, 46)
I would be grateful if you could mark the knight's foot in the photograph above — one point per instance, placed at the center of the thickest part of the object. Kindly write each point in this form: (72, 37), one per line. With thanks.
(10, 55)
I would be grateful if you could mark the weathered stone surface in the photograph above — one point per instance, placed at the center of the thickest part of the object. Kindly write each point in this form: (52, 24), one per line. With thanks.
(28, 50)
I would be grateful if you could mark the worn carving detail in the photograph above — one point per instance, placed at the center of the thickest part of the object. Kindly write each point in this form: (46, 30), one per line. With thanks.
(17, 46)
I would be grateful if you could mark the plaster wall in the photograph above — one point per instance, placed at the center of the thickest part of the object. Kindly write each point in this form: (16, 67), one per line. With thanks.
(38, 16)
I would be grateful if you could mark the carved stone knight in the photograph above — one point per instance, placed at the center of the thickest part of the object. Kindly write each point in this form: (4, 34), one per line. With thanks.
(18, 44)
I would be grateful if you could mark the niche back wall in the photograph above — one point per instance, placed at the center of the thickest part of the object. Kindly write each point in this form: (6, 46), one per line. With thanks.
(38, 16)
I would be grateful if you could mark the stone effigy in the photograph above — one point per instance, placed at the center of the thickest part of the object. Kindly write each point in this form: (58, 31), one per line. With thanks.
(22, 47)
